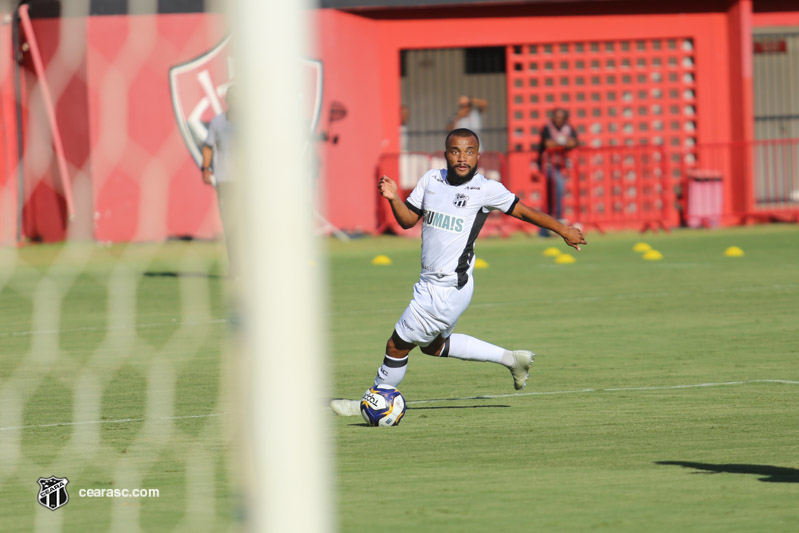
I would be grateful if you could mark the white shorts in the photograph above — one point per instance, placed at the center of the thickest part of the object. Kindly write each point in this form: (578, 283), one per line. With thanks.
(433, 311)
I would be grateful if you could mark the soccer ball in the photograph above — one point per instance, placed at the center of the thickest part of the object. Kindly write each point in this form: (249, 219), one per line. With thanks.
(382, 405)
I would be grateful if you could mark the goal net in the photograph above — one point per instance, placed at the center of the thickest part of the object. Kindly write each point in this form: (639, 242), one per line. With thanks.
(159, 321)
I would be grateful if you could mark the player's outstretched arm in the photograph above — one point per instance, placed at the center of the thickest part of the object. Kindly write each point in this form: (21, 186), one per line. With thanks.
(571, 235)
(390, 191)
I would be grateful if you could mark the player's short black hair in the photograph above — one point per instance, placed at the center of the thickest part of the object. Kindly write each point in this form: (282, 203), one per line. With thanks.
(461, 132)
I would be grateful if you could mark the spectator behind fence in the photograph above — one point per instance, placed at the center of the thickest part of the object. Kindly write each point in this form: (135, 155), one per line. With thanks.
(411, 165)
(403, 130)
(469, 116)
(558, 138)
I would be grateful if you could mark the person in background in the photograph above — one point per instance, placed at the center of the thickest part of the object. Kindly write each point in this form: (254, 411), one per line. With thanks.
(469, 116)
(404, 113)
(217, 162)
(558, 138)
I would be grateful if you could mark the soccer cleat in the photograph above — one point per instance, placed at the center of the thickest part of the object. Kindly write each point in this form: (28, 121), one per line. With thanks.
(346, 407)
(520, 370)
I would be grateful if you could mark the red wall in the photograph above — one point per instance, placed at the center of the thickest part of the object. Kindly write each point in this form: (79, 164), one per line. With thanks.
(352, 62)
(8, 142)
(737, 188)
(357, 73)
(777, 19)
(45, 215)
(134, 178)
(146, 186)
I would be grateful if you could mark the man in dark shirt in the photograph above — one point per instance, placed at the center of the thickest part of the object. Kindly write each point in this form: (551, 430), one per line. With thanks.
(558, 137)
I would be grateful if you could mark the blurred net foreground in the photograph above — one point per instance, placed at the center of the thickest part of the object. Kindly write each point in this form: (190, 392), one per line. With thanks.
(102, 117)
(118, 374)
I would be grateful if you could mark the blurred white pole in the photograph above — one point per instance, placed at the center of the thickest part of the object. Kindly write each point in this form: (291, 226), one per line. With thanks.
(288, 442)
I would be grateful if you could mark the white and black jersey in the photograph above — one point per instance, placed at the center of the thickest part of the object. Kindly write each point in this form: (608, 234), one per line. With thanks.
(452, 218)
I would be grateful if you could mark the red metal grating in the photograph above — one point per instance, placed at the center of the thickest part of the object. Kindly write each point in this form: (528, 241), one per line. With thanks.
(621, 93)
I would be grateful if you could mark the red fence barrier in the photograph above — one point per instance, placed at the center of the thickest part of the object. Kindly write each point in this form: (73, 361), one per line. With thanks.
(759, 179)
(621, 188)
(605, 188)
(633, 187)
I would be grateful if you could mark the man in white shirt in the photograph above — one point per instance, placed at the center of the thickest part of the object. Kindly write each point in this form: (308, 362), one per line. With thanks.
(470, 116)
(217, 153)
(453, 204)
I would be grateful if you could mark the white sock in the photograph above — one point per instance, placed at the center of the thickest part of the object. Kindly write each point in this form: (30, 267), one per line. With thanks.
(471, 349)
(391, 371)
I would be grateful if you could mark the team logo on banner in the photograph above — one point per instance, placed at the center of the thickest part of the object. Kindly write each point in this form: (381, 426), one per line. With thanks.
(53, 492)
(198, 90)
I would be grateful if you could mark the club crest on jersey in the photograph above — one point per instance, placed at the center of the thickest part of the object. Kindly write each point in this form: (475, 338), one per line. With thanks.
(198, 88)
(443, 221)
(460, 200)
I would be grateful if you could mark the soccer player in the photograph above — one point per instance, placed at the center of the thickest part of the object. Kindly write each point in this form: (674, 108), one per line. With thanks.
(453, 205)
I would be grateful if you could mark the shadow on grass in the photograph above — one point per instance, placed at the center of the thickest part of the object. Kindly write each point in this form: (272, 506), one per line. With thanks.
(772, 474)
(183, 275)
(457, 407)
(365, 425)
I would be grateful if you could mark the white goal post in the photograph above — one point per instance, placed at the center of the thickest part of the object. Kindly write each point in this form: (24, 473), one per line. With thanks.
(288, 448)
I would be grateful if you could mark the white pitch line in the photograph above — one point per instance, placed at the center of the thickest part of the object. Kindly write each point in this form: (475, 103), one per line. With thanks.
(172, 322)
(117, 421)
(584, 299)
(436, 400)
(623, 389)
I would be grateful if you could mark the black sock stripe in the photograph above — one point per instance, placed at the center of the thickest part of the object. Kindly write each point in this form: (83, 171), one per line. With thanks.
(445, 349)
(395, 363)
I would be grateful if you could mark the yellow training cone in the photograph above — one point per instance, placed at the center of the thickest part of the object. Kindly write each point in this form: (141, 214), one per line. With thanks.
(733, 251)
(653, 255)
(479, 263)
(381, 260)
(564, 259)
(641, 247)
(551, 252)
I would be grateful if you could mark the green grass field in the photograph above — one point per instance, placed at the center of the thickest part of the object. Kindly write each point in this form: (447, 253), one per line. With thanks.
(110, 376)
(623, 346)
(664, 396)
